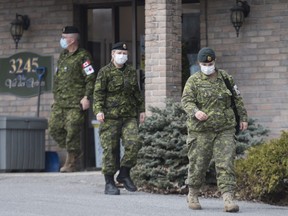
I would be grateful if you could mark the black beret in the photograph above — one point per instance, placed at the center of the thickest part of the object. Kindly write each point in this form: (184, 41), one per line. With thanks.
(119, 46)
(206, 55)
(70, 30)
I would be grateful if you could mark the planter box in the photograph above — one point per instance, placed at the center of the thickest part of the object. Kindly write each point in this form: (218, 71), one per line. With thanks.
(22, 143)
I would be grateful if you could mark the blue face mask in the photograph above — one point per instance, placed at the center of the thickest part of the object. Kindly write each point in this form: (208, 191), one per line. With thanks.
(63, 43)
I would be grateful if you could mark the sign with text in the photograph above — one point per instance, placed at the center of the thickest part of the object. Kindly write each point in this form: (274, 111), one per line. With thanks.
(22, 73)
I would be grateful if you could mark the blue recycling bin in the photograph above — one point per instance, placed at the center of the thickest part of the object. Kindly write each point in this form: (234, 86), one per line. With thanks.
(52, 162)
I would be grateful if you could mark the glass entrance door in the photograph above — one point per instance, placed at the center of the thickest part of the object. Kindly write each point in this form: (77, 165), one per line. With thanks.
(112, 24)
(101, 25)
(100, 35)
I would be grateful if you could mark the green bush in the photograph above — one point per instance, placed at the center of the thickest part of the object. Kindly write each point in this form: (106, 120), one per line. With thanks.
(253, 136)
(263, 174)
(162, 160)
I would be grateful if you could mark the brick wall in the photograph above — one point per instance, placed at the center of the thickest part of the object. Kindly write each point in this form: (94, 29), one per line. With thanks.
(257, 59)
(162, 51)
(47, 19)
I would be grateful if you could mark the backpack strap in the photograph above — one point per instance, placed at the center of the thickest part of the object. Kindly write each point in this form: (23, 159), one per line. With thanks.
(233, 104)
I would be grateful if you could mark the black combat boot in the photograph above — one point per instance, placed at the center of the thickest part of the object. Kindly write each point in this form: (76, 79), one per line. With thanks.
(124, 178)
(110, 187)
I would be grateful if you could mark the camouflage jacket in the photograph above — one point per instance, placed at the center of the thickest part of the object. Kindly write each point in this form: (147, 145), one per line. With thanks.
(117, 93)
(74, 78)
(213, 98)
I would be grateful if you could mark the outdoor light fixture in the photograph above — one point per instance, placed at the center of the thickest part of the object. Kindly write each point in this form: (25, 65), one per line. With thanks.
(238, 14)
(21, 23)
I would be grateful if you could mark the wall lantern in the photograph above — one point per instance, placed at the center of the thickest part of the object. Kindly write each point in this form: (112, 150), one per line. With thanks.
(238, 13)
(21, 23)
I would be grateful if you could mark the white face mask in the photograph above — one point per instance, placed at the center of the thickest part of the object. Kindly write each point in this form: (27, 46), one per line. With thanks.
(207, 70)
(120, 58)
(63, 43)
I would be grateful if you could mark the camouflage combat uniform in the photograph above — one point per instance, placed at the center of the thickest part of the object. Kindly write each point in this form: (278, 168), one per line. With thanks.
(117, 95)
(74, 79)
(215, 136)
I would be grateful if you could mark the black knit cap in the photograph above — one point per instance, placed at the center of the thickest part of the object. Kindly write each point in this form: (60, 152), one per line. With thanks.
(206, 55)
(119, 46)
(70, 30)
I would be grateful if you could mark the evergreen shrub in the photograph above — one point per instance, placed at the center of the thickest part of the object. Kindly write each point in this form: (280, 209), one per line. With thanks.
(263, 174)
(162, 160)
(253, 136)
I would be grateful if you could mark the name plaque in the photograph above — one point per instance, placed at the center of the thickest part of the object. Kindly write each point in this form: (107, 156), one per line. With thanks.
(22, 73)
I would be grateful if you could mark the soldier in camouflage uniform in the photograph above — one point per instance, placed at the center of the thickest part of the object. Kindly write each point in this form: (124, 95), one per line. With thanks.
(211, 128)
(117, 104)
(73, 86)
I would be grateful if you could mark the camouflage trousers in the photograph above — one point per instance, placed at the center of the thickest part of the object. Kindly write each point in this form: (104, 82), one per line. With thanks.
(110, 133)
(65, 127)
(202, 147)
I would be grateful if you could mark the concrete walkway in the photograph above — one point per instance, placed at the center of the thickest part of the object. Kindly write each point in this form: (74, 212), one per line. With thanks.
(81, 194)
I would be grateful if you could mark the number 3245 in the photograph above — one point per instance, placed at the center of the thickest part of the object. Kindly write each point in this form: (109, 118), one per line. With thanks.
(19, 66)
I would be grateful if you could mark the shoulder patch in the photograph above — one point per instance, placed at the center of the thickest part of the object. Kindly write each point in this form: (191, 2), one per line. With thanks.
(236, 89)
(87, 67)
(86, 63)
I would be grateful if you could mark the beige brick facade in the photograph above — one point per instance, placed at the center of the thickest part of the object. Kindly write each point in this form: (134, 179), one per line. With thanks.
(47, 19)
(257, 58)
(162, 51)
